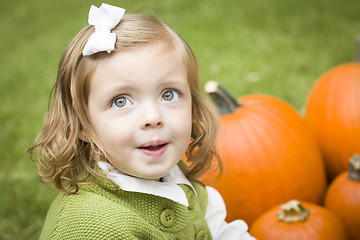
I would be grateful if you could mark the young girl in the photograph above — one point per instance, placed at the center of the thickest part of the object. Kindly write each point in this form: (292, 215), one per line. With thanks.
(126, 108)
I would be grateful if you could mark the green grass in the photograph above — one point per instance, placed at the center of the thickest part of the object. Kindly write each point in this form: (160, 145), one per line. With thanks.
(277, 47)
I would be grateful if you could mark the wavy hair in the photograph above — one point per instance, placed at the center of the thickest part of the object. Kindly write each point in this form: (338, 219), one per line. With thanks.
(64, 158)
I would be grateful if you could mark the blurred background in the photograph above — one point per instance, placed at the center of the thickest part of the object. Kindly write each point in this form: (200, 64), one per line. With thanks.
(273, 47)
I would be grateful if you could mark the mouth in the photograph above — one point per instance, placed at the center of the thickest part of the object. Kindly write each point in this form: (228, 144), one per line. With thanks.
(154, 148)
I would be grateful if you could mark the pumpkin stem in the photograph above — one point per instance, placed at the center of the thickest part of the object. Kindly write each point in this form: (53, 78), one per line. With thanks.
(354, 168)
(224, 102)
(292, 211)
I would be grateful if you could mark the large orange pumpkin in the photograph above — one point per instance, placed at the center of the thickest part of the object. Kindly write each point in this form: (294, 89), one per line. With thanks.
(343, 198)
(269, 155)
(333, 112)
(297, 220)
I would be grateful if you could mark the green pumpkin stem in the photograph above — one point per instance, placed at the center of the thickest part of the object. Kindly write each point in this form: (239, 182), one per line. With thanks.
(292, 211)
(222, 99)
(354, 168)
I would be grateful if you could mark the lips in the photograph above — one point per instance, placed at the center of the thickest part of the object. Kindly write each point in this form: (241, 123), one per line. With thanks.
(154, 148)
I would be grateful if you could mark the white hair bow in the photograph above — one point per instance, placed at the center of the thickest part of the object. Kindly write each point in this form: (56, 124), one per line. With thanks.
(104, 19)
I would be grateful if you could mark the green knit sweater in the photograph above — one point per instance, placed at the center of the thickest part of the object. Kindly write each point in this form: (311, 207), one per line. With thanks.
(104, 211)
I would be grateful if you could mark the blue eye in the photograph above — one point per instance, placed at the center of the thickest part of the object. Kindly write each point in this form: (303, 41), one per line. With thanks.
(121, 102)
(170, 95)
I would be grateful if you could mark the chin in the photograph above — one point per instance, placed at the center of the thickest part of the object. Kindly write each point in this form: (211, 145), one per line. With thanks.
(156, 177)
(151, 178)
(157, 174)
(155, 171)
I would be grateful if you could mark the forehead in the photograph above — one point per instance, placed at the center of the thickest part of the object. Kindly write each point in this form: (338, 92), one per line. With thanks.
(150, 55)
(140, 66)
(147, 52)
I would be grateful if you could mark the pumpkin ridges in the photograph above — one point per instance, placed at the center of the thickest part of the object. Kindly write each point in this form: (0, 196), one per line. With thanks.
(268, 152)
(289, 130)
(250, 127)
(245, 143)
(275, 148)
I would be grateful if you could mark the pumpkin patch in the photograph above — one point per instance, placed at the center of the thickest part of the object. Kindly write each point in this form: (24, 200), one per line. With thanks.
(271, 155)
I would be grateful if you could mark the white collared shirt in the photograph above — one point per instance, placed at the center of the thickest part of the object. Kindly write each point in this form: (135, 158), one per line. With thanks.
(169, 188)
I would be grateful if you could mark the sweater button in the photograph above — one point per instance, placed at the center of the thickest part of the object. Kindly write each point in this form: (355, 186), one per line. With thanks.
(167, 218)
(202, 235)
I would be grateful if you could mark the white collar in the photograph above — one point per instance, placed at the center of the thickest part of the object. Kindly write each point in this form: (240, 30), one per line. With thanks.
(168, 188)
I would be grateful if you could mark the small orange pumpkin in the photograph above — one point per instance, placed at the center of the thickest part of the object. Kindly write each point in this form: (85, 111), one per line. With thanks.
(297, 220)
(343, 198)
(268, 153)
(333, 113)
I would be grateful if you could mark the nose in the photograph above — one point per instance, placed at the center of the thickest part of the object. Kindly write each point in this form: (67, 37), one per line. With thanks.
(152, 117)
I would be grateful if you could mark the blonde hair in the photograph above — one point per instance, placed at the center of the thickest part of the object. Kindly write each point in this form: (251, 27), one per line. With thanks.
(64, 158)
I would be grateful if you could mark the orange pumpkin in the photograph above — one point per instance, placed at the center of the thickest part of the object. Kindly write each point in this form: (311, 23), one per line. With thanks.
(333, 113)
(343, 198)
(298, 221)
(268, 153)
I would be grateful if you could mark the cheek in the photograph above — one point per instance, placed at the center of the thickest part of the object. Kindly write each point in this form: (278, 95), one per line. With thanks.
(184, 127)
(113, 135)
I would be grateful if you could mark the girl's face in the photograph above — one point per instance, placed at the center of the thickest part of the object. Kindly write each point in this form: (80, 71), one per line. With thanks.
(140, 106)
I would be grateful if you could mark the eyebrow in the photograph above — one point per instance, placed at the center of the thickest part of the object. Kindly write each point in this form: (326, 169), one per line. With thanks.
(111, 91)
